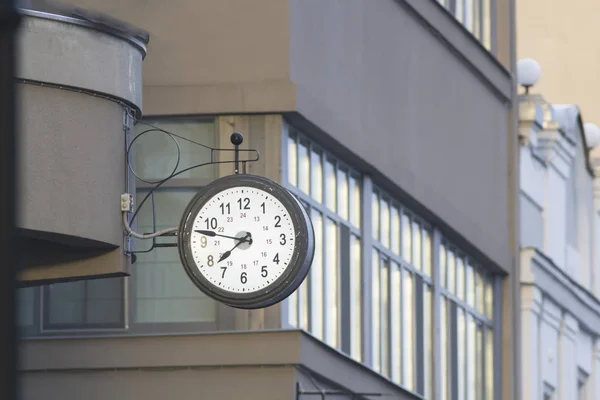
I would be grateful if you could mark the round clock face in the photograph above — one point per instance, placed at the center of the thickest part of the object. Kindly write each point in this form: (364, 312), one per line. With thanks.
(243, 239)
(246, 241)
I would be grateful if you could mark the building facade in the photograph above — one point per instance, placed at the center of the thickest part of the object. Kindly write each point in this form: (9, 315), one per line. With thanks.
(559, 253)
(559, 202)
(67, 226)
(561, 36)
(392, 121)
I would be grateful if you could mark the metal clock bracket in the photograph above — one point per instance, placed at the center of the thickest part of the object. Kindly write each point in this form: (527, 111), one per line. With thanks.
(302, 394)
(127, 203)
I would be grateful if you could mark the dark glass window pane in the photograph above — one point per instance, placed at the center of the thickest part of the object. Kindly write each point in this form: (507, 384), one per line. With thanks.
(155, 153)
(26, 306)
(89, 304)
(163, 291)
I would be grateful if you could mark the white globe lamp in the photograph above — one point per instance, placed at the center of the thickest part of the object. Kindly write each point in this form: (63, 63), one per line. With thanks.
(592, 135)
(528, 73)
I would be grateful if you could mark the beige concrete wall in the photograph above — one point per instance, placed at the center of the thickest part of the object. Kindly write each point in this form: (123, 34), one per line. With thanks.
(563, 37)
(211, 56)
(248, 383)
(242, 365)
(371, 74)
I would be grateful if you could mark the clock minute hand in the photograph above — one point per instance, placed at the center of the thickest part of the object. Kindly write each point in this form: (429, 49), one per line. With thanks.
(212, 234)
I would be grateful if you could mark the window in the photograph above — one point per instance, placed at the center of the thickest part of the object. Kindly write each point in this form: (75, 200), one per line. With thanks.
(91, 304)
(158, 296)
(582, 386)
(399, 267)
(475, 16)
(548, 392)
(467, 333)
(331, 296)
(161, 290)
(26, 300)
(401, 287)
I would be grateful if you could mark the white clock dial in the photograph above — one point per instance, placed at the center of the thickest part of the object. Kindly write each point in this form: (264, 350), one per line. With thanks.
(242, 239)
(245, 241)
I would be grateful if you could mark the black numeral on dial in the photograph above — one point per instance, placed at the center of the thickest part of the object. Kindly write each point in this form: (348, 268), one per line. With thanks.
(276, 258)
(244, 278)
(223, 274)
(210, 261)
(277, 221)
(211, 223)
(225, 207)
(244, 203)
(283, 240)
(263, 271)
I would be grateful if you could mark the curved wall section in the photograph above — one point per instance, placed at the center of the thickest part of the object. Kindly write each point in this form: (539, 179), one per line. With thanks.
(76, 84)
(67, 51)
(72, 164)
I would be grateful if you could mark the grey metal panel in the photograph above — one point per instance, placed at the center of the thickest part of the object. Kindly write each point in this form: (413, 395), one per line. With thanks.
(71, 163)
(463, 43)
(321, 360)
(374, 78)
(532, 223)
(81, 57)
(311, 385)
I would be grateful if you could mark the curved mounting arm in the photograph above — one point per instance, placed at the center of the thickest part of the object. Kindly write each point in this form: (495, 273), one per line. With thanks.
(127, 200)
(131, 232)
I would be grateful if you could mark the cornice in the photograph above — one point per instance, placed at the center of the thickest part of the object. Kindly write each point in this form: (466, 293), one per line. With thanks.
(570, 326)
(539, 129)
(551, 313)
(531, 299)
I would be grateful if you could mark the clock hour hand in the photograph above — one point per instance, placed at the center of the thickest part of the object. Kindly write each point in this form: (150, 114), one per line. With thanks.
(212, 234)
(246, 238)
(225, 255)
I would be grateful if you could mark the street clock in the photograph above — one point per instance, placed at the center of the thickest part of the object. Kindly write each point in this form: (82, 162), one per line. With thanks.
(246, 241)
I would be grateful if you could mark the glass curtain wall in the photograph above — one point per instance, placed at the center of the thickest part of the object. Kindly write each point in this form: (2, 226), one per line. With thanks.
(404, 253)
(328, 303)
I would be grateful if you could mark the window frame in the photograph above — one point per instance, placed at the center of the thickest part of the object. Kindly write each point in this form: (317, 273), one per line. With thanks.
(428, 382)
(173, 184)
(422, 283)
(127, 325)
(345, 231)
(367, 244)
(44, 314)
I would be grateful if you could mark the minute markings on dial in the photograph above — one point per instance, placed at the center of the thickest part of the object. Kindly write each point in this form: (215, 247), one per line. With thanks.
(252, 256)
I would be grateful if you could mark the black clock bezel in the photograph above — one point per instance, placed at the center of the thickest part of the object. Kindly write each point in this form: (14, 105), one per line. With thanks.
(298, 265)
